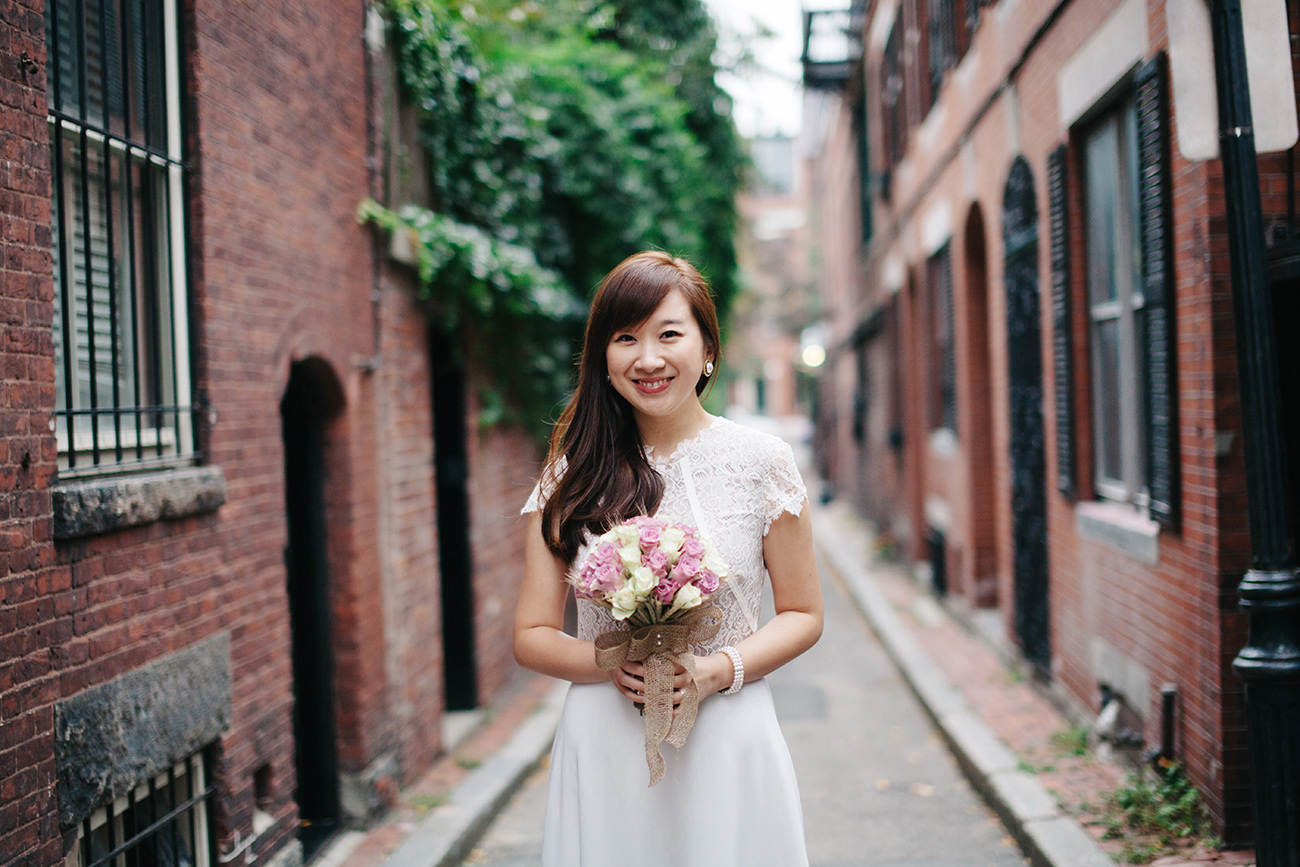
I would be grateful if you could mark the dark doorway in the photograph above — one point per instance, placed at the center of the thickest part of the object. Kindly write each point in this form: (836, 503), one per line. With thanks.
(1028, 463)
(1286, 324)
(979, 439)
(306, 405)
(451, 473)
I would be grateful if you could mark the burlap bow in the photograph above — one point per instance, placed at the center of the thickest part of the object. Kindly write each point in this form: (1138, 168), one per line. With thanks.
(659, 646)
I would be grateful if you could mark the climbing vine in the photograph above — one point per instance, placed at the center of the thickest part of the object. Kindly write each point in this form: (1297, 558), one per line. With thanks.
(561, 137)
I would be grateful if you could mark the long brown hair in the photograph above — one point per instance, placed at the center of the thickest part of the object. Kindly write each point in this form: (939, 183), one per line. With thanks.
(596, 471)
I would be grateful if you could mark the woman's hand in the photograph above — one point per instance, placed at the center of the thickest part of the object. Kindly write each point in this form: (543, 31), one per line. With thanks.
(629, 678)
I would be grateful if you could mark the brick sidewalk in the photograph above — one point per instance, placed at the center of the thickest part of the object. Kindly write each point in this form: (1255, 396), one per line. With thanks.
(1014, 709)
(372, 846)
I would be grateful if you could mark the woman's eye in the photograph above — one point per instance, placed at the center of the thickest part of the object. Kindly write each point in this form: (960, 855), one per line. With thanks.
(669, 335)
(623, 338)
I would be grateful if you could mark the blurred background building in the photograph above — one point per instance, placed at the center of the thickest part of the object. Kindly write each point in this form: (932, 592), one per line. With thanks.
(1031, 385)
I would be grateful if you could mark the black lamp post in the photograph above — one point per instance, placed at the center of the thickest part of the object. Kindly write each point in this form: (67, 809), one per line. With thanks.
(1270, 591)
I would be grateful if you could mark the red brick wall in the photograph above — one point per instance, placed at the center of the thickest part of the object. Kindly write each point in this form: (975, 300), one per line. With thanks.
(504, 465)
(33, 589)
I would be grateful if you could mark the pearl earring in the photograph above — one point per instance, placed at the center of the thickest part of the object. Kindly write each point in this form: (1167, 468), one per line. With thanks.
(708, 368)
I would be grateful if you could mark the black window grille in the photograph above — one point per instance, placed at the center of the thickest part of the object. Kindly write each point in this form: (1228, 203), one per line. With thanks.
(160, 823)
(121, 340)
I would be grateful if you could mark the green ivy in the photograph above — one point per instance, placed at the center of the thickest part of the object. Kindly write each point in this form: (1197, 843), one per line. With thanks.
(517, 319)
(561, 137)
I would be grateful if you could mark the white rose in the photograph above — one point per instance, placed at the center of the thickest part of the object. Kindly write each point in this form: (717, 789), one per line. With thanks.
(671, 540)
(627, 534)
(630, 555)
(623, 603)
(642, 581)
(714, 563)
(687, 598)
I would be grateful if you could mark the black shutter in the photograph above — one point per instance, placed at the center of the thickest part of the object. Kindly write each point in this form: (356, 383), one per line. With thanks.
(1157, 288)
(1062, 331)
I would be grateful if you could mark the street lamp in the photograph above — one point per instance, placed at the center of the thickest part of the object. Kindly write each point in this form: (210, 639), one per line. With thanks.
(1270, 591)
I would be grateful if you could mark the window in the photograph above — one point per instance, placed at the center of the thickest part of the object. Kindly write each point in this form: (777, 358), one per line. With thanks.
(893, 96)
(1116, 305)
(121, 341)
(943, 43)
(160, 823)
(943, 351)
(865, 203)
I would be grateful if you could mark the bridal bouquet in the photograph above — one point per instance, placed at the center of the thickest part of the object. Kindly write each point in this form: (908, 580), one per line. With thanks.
(647, 570)
(656, 577)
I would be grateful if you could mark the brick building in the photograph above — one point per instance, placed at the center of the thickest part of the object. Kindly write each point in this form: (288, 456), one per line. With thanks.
(225, 555)
(1032, 384)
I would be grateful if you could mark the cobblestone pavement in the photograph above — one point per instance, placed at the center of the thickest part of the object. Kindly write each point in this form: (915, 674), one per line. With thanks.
(878, 785)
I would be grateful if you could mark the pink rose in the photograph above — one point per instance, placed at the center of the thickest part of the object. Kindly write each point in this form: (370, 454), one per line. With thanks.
(656, 560)
(686, 569)
(605, 555)
(707, 582)
(650, 536)
(605, 579)
(666, 590)
(693, 548)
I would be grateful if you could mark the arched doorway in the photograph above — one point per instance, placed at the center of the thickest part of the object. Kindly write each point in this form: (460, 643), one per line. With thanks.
(1025, 374)
(312, 397)
(979, 414)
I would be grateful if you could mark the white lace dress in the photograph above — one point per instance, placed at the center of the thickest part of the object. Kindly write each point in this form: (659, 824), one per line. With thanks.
(729, 797)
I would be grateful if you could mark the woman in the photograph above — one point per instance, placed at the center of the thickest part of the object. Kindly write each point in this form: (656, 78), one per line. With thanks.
(633, 440)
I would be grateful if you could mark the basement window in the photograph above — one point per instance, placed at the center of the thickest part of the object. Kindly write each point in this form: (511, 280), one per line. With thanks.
(162, 822)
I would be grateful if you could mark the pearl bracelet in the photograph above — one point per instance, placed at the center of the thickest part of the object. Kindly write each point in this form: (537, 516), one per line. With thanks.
(737, 668)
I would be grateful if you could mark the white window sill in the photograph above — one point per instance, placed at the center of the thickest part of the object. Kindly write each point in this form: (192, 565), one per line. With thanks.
(1120, 527)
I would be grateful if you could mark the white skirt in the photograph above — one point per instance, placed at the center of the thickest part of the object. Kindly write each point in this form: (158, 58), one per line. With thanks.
(728, 798)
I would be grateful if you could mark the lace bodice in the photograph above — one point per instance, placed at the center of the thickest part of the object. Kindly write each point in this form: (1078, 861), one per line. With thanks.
(741, 480)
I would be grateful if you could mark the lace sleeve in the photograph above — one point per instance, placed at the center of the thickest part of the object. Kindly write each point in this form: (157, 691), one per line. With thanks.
(783, 490)
(544, 488)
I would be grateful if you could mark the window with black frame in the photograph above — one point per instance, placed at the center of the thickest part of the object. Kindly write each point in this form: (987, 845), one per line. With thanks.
(943, 48)
(943, 354)
(1116, 305)
(893, 96)
(121, 339)
(162, 822)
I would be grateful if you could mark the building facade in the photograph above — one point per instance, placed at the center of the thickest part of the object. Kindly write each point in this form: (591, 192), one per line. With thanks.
(223, 584)
(1032, 381)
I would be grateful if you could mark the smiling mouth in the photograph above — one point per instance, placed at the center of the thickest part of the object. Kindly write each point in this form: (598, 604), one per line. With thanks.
(652, 386)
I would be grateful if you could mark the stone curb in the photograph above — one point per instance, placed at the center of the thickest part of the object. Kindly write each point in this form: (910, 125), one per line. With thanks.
(445, 837)
(1049, 837)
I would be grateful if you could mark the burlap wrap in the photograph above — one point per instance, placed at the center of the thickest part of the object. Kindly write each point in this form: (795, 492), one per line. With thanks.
(659, 646)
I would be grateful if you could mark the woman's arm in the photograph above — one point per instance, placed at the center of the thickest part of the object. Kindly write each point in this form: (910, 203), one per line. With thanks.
(797, 592)
(540, 641)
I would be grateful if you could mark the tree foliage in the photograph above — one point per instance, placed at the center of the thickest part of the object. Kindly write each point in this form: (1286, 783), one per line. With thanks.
(561, 137)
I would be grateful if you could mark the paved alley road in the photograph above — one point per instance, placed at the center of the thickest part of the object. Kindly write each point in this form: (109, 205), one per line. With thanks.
(878, 785)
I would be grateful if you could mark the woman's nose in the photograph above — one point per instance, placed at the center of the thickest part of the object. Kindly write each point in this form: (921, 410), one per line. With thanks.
(649, 358)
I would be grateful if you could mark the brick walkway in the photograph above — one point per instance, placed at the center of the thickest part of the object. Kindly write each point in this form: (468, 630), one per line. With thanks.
(371, 847)
(1017, 711)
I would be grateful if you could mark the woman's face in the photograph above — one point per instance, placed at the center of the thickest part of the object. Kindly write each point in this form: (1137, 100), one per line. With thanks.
(655, 365)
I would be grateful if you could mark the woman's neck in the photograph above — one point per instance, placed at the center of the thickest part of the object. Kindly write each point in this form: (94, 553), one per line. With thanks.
(663, 433)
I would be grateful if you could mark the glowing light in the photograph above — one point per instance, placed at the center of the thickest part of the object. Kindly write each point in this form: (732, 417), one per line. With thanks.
(813, 355)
